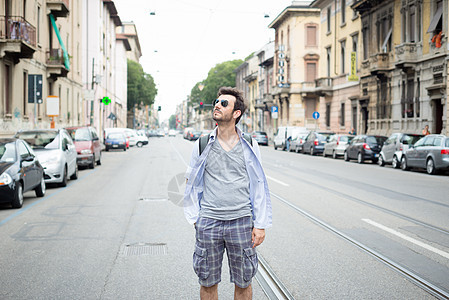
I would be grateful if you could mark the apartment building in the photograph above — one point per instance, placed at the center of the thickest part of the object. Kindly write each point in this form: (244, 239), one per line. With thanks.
(403, 82)
(296, 61)
(338, 81)
(39, 57)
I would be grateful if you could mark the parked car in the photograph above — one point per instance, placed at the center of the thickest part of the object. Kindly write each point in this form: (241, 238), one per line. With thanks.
(172, 132)
(336, 145)
(20, 172)
(283, 133)
(298, 140)
(187, 131)
(142, 139)
(87, 144)
(107, 131)
(205, 132)
(115, 140)
(396, 142)
(134, 138)
(430, 153)
(194, 135)
(365, 147)
(315, 141)
(56, 152)
(152, 133)
(261, 137)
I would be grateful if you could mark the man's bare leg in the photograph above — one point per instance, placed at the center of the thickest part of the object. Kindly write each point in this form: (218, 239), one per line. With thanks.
(209, 293)
(243, 294)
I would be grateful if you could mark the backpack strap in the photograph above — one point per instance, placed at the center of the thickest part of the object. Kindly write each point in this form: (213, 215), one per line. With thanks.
(203, 142)
(248, 139)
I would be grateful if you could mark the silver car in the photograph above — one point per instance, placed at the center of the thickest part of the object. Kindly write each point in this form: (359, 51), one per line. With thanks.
(336, 145)
(395, 143)
(430, 153)
(56, 152)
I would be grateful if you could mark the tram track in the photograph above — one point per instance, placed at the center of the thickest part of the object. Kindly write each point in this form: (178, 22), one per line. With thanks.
(427, 286)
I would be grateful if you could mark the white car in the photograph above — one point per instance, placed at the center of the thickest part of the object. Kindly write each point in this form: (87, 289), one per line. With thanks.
(56, 152)
(172, 132)
(136, 139)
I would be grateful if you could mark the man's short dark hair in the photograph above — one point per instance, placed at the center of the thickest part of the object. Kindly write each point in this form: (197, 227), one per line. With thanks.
(239, 101)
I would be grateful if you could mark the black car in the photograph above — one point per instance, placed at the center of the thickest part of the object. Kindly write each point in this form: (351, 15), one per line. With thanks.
(20, 171)
(365, 147)
(261, 137)
(315, 141)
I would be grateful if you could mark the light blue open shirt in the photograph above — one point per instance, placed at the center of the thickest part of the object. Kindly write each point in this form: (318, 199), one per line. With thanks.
(258, 188)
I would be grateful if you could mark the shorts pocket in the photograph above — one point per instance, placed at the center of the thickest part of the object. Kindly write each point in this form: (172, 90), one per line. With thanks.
(250, 263)
(200, 262)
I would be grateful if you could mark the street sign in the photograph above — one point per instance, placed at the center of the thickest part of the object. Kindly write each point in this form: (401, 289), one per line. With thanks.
(274, 115)
(353, 76)
(52, 106)
(35, 88)
(316, 115)
(274, 109)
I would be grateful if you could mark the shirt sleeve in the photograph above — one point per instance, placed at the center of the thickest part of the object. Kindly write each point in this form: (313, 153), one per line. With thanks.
(193, 159)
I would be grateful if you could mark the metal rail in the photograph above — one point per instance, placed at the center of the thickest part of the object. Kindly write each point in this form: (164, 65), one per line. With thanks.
(420, 282)
(270, 283)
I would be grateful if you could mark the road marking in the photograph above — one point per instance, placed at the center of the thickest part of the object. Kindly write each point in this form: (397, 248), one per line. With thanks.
(278, 181)
(179, 154)
(407, 238)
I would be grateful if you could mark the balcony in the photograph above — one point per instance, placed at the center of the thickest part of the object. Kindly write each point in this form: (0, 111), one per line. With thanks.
(377, 63)
(323, 86)
(407, 54)
(17, 38)
(55, 63)
(59, 8)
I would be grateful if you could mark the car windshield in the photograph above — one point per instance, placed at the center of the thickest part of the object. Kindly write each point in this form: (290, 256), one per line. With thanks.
(41, 139)
(7, 152)
(260, 133)
(323, 136)
(80, 134)
(411, 139)
(375, 140)
(346, 139)
(115, 136)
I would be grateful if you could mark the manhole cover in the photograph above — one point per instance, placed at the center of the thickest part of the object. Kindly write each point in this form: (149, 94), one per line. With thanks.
(139, 249)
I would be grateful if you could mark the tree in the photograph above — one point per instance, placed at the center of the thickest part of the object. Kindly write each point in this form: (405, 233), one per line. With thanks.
(141, 87)
(220, 75)
(172, 122)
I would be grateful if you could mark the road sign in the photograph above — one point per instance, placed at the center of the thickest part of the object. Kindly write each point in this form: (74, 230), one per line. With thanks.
(274, 109)
(316, 115)
(35, 88)
(274, 115)
(52, 106)
(106, 100)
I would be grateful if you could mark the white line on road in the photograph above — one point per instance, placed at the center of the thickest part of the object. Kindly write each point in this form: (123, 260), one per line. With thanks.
(278, 181)
(407, 238)
(176, 150)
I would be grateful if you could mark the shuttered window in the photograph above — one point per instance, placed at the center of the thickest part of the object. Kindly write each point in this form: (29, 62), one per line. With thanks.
(311, 72)
(311, 36)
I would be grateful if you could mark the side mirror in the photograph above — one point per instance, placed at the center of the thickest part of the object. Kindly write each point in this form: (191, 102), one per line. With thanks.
(28, 158)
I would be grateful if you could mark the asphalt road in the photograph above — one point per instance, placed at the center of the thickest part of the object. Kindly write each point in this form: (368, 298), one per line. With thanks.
(118, 232)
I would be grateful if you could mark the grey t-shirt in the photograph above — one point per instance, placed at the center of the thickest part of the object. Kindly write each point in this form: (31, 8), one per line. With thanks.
(226, 184)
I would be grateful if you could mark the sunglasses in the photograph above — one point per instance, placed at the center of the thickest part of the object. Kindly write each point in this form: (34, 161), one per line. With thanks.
(224, 103)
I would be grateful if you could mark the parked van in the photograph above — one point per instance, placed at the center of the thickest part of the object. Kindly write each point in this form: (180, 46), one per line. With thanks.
(283, 133)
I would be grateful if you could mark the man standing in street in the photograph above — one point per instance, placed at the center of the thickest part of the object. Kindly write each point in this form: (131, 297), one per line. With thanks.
(227, 200)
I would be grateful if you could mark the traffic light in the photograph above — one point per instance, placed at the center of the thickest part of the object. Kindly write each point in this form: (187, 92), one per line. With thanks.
(201, 105)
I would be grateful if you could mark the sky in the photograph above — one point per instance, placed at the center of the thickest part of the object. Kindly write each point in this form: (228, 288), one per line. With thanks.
(184, 39)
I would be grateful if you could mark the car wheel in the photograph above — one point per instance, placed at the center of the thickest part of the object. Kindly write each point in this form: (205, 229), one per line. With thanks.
(124, 149)
(430, 167)
(92, 164)
(346, 156)
(17, 201)
(404, 165)
(75, 174)
(360, 158)
(374, 160)
(311, 151)
(381, 161)
(40, 189)
(296, 149)
(99, 160)
(107, 149)
(334, 154)
(395, 163)
(275, 148)
(63, 183)
(139, 144)
(324, 153)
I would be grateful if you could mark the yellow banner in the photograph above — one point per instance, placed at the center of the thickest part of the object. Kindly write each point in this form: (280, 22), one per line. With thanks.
(353, 76)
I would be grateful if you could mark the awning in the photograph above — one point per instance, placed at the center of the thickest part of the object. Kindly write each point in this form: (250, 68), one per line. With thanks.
(64, 50)
(435, 20)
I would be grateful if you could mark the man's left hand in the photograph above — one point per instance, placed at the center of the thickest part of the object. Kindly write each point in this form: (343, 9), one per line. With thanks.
(257, 237)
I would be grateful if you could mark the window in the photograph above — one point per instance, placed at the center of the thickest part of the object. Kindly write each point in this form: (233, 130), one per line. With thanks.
(365, 43)
(417, 98)
(355, 41)
(342, 114)
(343, 11)
(25, 92)
(311, 35)
(342, 56)
(328, 115)
(311, 72)
(310, 108)
(385, 32)
(409, 108)
(436, 26)
(38, 24)
(8, 103)
(328, 61)
(412, 24)
(382, 98)
(329, 19)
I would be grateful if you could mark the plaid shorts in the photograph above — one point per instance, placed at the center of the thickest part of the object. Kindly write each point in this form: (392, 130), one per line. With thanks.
(212, 238)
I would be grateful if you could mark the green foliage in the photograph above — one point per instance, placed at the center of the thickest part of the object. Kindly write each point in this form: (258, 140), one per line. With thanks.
(249, 56)
(172, 122)
(141, 87)
(220, 75)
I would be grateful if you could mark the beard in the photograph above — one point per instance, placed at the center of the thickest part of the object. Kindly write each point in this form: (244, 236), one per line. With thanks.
(220, 117)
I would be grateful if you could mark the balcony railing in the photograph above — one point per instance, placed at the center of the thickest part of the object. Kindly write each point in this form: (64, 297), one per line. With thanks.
(17, 28)
(406, 52)
(379, 61)
(324, 82)
(55, 57)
